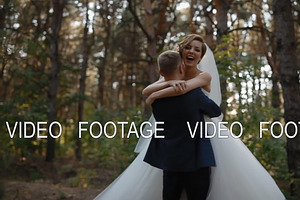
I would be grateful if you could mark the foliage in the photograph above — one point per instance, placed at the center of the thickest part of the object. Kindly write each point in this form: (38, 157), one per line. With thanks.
(26, 106)
(248, 103)
(82, 178)
(118, 151)
(118, 71)
(269, 150)
(225, 58)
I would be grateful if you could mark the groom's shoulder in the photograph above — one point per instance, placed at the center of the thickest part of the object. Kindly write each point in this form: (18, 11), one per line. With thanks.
(196, 91)
(197, 94)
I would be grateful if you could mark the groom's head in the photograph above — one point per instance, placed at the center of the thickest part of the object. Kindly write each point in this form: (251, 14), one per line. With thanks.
(170, 65)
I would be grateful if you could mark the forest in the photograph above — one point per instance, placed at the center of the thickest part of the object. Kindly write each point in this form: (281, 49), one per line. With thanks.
(66, 65)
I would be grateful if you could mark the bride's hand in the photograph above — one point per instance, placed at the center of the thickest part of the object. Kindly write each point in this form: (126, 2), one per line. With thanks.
(150, 99)
(178, 85)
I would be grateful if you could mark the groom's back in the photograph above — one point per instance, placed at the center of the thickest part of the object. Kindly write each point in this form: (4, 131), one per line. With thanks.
(178, 150)
(183, 107)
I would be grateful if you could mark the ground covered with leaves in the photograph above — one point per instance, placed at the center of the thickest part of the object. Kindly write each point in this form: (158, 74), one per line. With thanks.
(64, 179)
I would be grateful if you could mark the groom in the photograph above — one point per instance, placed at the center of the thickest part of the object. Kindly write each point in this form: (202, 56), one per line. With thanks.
(185, 160)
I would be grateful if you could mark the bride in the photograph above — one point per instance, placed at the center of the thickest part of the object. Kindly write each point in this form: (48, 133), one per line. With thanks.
(237, 176)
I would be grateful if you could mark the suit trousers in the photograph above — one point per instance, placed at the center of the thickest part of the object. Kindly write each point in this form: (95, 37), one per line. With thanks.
(195, 183)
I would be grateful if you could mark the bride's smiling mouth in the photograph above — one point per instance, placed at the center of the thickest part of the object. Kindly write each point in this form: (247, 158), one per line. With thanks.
(189, 59)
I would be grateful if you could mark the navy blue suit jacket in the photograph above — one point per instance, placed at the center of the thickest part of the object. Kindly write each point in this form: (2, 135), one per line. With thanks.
(178, 151)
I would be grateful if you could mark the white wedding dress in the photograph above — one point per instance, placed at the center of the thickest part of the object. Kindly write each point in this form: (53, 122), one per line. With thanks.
(237, 175)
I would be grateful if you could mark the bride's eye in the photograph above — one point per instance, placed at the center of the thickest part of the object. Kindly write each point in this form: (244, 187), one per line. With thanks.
(187, 47)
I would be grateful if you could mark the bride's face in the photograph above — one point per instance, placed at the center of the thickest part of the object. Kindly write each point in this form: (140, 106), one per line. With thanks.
(192, 53)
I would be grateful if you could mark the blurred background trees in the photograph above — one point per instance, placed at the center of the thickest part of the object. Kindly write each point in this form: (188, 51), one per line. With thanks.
(88, 60)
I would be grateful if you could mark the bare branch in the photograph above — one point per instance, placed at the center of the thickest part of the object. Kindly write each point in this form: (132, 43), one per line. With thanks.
(131, 9)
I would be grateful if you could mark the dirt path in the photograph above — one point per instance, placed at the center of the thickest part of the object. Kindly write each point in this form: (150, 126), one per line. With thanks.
(64, 179)
(15, 190)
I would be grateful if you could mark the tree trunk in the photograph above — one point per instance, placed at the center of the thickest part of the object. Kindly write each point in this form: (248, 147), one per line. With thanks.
(104, 13)
(271, 56)
(3, 12)
(192, 13)
(152, 33)
(209, 31)
(222, 7)
(286, 49)
(58, 7)
(4, 83)
(151, 40)
(82, 80)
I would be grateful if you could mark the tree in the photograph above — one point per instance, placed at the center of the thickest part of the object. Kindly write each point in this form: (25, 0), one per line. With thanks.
(106, 12)
(270, 53)
(58, 7)
(4, 82)
(289, 78)
(209, 31)
(154, 32)
(191, 18)
(222, 7)
(84, 65)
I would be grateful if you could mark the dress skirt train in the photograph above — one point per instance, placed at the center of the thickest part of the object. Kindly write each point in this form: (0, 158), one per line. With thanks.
(237, 176)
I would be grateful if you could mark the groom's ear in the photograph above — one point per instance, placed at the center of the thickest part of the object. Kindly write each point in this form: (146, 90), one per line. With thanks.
(161, 73)
(182, 68)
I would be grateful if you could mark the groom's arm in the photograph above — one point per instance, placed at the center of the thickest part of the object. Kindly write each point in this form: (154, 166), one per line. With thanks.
(208, 106)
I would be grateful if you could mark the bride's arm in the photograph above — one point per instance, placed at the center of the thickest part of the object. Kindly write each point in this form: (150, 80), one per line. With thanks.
(161, 84)
(201, 80)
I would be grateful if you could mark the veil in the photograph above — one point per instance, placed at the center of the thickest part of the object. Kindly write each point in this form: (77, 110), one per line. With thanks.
(208, 65)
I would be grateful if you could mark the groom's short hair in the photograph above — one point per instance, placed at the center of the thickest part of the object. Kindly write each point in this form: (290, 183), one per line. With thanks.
(168, 62)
